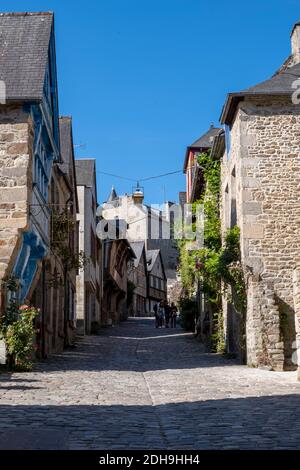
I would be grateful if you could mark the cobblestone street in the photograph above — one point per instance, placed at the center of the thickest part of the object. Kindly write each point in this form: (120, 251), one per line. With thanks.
(136, 387)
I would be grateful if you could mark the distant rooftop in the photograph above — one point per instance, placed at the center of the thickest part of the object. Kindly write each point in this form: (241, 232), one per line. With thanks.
(85, 172)
(138, 248)
(65, 132)
(204, 142)
(113, 195)
(151, 256)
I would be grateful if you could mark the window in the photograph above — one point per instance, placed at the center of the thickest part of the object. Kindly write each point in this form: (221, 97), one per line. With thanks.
(227, 139)
(41, 170)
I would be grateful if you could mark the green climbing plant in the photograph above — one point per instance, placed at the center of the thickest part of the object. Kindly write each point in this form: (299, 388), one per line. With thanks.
(63, 224)
(217, 264)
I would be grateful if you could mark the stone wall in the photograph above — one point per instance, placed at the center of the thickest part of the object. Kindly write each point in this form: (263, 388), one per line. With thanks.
(15, 166)
(265, 159)
(264, 345)
(296, 291)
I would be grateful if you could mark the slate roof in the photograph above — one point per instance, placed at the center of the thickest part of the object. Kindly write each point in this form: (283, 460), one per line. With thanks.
(218, 147)
(85, 172)
(137, 248)
(204, 142)
(24, 43)
(278, 84)
(113, 195)
(151, 257)
(67, 152)
(65, 133)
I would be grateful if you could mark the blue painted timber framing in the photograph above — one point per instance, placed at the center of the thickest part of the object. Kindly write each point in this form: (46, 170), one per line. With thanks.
(46, 149)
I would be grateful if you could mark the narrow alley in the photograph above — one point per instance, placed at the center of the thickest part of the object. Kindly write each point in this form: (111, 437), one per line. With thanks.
(147, 388)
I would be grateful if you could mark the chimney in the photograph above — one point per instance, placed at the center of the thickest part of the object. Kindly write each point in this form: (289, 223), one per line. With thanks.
(295, 42)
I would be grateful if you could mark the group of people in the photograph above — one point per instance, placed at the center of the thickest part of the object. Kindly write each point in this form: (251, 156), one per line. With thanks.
(165, 314)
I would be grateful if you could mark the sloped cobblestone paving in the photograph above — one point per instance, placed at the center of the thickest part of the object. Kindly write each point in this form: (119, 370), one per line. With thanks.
(136, 387)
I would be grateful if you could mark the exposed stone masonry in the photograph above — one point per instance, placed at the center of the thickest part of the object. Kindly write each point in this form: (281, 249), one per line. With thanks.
(265, 158)
(14, 166)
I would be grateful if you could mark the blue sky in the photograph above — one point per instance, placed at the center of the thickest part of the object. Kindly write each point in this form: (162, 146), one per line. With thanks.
(145, 78)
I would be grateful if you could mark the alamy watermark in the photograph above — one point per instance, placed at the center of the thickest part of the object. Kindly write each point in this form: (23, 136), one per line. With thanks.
(141, 222)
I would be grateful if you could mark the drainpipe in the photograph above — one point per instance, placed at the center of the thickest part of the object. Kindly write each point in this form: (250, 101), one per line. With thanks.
(66, 292)
(43, 345)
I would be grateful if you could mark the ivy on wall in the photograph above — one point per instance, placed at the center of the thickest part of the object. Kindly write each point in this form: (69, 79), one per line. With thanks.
(217, 265)
(63, 225)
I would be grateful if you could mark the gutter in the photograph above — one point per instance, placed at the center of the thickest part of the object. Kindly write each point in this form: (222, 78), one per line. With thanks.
(233, 99)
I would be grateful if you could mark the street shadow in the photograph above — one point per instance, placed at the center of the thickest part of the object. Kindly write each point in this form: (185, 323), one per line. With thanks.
(287, 331)
(136, 345)
(8, 375)
(265, 422)
(18, 387)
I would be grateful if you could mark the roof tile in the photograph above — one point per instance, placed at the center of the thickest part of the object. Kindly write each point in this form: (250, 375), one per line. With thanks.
(24, 44)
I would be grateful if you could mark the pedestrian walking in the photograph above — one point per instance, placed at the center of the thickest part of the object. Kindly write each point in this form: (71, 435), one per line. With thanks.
(167, 313)
(174, 311)
(161, 313)
(155, 309)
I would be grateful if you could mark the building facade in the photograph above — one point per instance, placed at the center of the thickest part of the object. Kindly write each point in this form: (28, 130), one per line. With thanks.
(157, 280)
(260, 193)
(137, 274)
(55, 290)
(29, 144)
(89, 279)
(117, 254)
(151, 225)
(30, 160)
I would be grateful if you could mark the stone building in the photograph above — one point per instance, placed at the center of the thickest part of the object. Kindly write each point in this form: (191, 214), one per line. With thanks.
(138, 274)
(29, 144)
(37, 177)
(260, 193)
(117, 256)
(89, 279)
(152, 225)
(128, 208)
